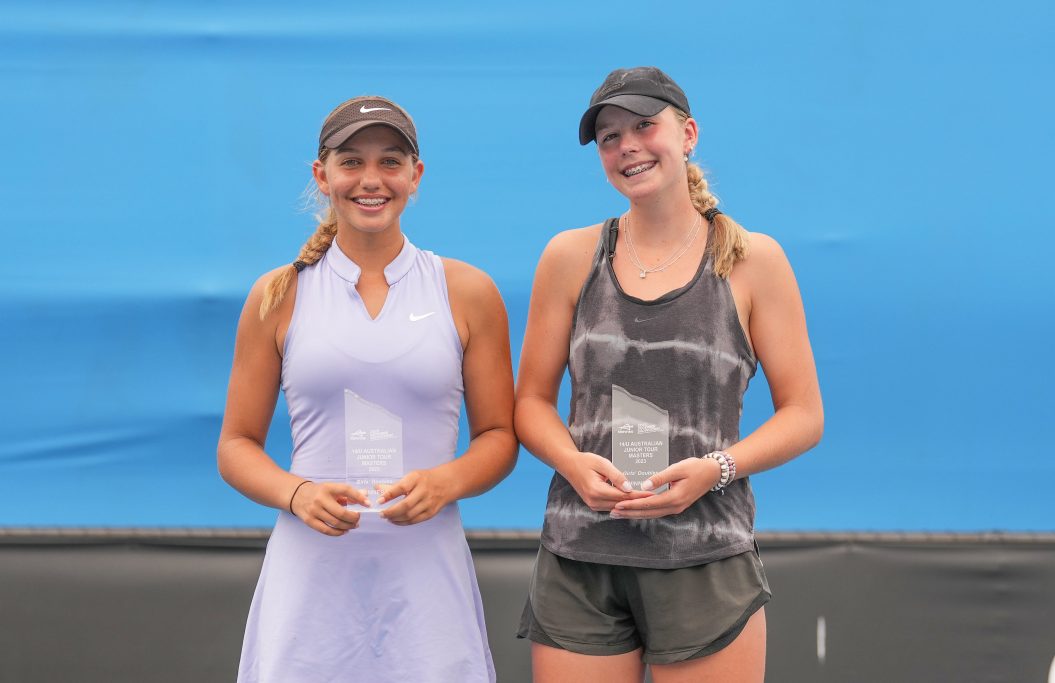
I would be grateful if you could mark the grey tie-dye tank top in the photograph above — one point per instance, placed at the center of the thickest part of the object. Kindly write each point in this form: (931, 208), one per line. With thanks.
(685, 352)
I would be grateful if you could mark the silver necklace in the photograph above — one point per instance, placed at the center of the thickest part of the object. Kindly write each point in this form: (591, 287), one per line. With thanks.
(670, 261)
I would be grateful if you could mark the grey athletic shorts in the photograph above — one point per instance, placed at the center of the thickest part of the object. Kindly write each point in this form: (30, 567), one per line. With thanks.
(672, 614)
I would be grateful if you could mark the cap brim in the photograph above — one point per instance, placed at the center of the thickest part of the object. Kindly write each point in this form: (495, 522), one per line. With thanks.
(344, 134)
(642, 105)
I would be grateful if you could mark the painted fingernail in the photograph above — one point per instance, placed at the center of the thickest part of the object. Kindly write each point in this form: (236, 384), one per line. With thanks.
(627, 486)
(616, 514)
(646, 485)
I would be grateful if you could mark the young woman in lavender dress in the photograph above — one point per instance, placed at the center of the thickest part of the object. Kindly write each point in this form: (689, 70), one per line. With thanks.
(345, 593)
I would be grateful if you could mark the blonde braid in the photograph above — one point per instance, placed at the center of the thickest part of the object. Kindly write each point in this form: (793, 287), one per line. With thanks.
(310, 253)
(730, 239)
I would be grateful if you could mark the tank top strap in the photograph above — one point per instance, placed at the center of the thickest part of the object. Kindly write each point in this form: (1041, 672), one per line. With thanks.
(604, 252)
(708, 254)
(609, 236)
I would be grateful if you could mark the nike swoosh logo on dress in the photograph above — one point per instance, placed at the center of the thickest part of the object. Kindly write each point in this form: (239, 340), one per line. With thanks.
(415, 318)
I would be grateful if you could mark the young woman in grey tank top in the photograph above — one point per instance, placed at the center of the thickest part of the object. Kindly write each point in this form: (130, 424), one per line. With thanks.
(676, 304)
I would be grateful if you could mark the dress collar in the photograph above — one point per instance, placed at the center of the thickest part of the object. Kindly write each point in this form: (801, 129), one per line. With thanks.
(349, 270)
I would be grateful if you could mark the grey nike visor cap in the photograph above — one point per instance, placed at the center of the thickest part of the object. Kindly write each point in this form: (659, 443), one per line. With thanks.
(361, 112)
(642, 90)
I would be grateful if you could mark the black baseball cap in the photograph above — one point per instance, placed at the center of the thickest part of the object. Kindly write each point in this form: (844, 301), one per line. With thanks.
(360, 112)
(643, 90)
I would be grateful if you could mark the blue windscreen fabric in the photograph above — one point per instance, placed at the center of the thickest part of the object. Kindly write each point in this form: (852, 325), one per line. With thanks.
(155, 157)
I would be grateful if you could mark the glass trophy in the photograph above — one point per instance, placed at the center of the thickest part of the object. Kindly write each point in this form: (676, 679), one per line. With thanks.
(640, 437)
(373, 447)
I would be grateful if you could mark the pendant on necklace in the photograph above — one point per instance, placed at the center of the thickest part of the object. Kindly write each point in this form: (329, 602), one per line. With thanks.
(642, 275)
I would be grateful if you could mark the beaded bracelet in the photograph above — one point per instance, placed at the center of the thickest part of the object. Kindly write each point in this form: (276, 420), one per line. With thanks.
(728, 465)
(306, 481)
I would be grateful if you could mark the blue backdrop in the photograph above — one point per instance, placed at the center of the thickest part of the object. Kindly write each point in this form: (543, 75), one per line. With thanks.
(154, 155)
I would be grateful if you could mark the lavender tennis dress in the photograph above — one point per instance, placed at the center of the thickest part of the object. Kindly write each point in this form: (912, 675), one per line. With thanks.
(382, 602)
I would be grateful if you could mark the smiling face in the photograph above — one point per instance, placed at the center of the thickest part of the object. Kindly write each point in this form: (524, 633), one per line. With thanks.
(369, 179)
(644, 155)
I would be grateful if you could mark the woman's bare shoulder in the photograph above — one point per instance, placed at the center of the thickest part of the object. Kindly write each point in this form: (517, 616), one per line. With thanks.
(262, 282)
(569, 253)
(278, 319)
(764, 254)
(575, 242)
(765, 271)
(466, 280)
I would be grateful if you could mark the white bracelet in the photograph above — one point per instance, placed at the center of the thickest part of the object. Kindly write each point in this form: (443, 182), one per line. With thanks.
(728, 465)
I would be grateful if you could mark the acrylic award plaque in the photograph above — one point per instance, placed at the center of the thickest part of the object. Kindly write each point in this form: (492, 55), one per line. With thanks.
(640, 437)
(373, 446)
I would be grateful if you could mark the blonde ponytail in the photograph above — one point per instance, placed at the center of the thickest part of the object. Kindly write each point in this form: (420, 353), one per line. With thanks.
(730, 239)
(310, 253)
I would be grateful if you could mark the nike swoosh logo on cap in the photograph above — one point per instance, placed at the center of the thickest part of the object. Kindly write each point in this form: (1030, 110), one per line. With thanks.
(644, 320)
(364, 110)
(415, 318)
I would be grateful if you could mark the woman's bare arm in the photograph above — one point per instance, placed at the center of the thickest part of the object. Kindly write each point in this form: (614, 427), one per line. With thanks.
(777, 328)
(559, 278)
(251, 395)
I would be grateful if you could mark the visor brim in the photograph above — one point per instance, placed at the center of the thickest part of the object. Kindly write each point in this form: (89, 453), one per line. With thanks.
(342, 136)
(642, 105)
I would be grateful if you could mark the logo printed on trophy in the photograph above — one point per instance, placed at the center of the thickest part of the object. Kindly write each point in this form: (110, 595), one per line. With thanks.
(370, 466)
(640, 445)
